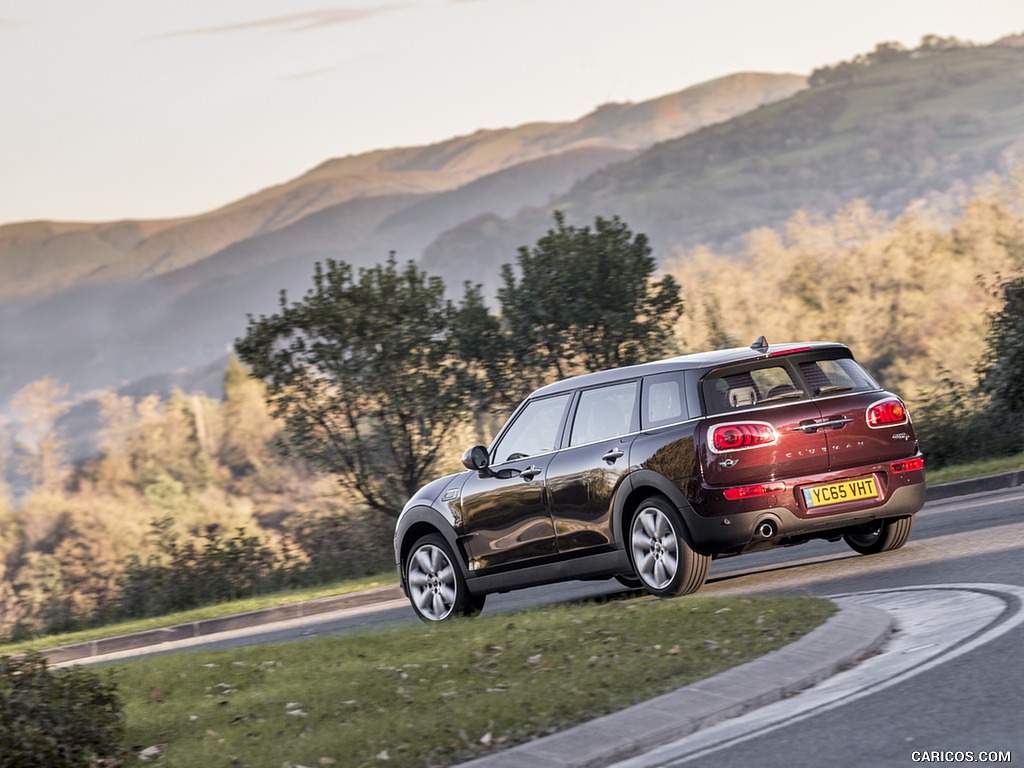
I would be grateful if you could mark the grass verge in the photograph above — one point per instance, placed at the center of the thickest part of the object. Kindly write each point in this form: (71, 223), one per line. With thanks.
(197, 614)
(438, 695)
(974, 469)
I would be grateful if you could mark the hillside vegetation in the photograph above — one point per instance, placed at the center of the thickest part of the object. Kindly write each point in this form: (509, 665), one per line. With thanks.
(918, 130)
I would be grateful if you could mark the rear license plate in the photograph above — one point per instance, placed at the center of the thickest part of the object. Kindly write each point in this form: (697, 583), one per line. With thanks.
(837, 493)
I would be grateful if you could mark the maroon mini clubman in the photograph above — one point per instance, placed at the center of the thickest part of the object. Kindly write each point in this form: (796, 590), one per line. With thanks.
(648, 473)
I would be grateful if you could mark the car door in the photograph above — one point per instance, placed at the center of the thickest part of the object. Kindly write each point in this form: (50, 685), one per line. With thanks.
(866, 425)
(761, 426)
(583, 476)
(505, 510)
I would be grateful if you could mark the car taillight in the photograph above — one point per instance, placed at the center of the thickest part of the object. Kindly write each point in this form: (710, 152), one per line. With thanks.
(747, 491)
(907, 466)
(736, 437)
(887, 413)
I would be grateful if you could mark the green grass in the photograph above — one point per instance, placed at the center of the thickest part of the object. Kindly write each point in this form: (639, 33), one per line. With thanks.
(979, 468)
(437, 695)
(197, 614)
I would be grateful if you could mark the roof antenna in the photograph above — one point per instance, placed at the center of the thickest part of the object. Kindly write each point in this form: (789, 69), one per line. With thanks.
(761, 345)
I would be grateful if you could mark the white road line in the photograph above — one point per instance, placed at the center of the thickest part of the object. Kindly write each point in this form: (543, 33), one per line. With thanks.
(963, 616)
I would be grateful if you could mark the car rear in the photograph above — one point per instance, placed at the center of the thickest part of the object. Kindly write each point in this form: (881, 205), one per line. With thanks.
(800, 442)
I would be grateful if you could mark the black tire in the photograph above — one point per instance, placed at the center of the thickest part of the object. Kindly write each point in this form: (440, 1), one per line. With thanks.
(883, 536)
(437, 589)
(662, 551)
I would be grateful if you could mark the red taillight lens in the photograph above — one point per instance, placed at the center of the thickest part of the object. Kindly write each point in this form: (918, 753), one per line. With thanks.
(747, 491)
(887, 413)
(736, 437)
(907, 466)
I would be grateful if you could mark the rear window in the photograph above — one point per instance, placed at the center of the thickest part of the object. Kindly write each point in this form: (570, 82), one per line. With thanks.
(735, 390)
(745, 389)
(826, 377)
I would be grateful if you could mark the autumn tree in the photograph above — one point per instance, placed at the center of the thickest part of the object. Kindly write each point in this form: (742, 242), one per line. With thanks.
(248, 429)
(584, 299)
(365, 375)
(38, 407)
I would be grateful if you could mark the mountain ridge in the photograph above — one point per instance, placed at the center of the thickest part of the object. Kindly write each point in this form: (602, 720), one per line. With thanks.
(168, 244)
(98, 305)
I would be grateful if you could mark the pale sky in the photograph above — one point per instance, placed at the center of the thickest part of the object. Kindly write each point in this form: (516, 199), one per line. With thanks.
(117, 109)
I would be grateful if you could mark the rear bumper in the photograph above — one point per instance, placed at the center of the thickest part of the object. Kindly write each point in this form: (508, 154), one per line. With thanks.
(741, 528)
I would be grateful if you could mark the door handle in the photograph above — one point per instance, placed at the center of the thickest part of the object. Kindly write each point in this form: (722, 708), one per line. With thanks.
(612, 455)
(530, 472)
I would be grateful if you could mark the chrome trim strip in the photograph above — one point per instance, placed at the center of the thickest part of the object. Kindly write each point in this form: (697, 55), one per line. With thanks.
(816, 425)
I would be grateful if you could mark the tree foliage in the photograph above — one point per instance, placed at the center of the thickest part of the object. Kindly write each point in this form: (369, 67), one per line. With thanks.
(1002, 368)
(911, 296)
(884, 53)
(581, 300)
(365, 374)
(157, 506)
(38, 407)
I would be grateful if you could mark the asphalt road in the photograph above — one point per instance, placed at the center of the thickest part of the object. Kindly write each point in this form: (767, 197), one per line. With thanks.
(963, 708)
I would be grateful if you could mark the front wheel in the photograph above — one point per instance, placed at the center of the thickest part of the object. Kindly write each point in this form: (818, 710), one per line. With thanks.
(663, 557)
(437, 589)
(882, 536)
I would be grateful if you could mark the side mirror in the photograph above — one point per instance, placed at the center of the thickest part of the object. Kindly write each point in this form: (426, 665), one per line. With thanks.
(476, 458)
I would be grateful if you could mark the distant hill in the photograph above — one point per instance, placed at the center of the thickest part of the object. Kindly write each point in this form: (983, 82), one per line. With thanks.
(896, 133)
(100, 305)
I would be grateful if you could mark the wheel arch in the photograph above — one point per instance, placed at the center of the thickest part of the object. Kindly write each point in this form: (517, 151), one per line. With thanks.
(643, 485)
(418, 522)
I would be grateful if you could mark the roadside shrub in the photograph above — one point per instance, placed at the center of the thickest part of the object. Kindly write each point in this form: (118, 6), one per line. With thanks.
(340, 546)
(955, 424)
(189, 574)
(55, 718)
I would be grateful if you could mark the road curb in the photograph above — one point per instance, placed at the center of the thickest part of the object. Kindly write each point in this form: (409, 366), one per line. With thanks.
(203, 627)
(975, 485)
(854, 632)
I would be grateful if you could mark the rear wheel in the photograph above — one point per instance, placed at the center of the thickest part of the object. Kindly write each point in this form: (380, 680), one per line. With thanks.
(663, 558)
(882, 536)
(437, 589)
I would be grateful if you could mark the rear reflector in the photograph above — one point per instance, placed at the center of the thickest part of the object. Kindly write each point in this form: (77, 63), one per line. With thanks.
(737, 437)
(886, 413)
(907, 466)
(747, 491)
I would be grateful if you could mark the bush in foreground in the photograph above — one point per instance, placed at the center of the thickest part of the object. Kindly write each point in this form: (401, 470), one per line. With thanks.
(55, 718)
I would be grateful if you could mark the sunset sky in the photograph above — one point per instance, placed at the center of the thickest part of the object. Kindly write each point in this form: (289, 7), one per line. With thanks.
(127, 109)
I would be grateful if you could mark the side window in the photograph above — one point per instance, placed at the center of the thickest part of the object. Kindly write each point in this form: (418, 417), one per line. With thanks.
(534, 431)
(663, 400)
(604, 412)
(745, 389)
